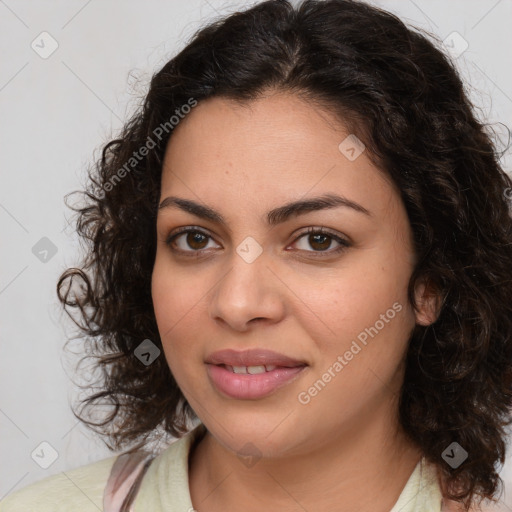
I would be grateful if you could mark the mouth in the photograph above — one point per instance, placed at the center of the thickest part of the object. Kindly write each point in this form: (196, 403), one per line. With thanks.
(251, 374)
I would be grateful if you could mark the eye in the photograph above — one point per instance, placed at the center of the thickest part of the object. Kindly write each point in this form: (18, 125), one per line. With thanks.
(191, 241)
(195, 239)
(321, 240)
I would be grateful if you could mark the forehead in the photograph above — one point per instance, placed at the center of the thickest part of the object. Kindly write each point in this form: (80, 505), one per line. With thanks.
(269, 151)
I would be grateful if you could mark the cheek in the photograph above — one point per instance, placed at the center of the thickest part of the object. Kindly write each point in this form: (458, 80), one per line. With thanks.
(361, 335)
(174, 293)
(368, 307)
(177, 302)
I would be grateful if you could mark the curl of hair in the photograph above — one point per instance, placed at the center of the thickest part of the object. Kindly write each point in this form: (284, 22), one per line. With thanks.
(395, 90)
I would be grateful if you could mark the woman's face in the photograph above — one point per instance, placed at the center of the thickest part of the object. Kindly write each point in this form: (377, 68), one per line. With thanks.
(335, 303)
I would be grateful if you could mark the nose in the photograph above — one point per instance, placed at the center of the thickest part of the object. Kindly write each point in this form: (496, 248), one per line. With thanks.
(247, 294)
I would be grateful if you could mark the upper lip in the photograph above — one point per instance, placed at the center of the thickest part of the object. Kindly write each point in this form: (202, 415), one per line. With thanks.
(253, 357)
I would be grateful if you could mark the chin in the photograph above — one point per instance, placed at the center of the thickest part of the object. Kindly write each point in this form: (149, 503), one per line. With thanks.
(268, 435)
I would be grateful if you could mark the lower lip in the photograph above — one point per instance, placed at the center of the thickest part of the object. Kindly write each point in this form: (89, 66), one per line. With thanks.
(246, 386)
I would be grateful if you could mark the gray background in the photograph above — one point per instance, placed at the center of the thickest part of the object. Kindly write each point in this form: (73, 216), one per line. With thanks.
(57, 111)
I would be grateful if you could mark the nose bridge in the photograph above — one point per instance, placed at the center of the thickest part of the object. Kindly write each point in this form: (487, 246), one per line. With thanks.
(248, 290)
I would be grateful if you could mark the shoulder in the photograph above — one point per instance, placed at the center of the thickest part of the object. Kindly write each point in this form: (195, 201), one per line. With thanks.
(455, 506)
(77, 489)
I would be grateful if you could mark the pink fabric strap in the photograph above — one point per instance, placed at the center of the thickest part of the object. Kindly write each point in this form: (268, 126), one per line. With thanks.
(124, 481)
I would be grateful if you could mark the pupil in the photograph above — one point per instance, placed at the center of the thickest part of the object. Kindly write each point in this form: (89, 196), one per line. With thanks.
(324, 237)
(195, 238)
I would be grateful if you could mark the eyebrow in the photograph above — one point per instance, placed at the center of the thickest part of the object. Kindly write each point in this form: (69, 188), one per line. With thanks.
(274, 216)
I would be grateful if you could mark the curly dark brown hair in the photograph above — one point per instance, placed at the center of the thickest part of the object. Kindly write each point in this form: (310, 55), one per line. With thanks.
(396, 90)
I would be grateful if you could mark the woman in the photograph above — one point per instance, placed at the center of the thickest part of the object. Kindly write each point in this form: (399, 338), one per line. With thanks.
(303, 241)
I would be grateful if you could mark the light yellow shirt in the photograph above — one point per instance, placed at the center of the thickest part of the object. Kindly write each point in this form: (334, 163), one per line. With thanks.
(165, 486)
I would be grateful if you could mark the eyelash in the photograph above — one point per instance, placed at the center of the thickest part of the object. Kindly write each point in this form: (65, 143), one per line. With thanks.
(344, 244)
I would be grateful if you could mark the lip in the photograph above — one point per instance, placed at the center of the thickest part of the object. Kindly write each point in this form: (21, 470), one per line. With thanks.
(252, 357)
(251, 386)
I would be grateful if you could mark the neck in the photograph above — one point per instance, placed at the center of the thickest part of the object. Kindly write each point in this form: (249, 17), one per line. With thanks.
(361, 467)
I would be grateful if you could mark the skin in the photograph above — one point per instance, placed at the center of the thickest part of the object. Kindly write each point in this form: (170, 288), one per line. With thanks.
(335, 452)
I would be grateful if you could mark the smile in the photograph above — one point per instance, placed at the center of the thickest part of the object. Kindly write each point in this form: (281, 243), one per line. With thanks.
(251, 382)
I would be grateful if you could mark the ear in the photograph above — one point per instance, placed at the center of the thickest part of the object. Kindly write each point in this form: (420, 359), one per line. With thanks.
(428, 300)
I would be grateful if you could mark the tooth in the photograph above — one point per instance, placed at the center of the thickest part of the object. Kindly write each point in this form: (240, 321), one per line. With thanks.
(239, 369)
(270, 367)
(253, 370)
